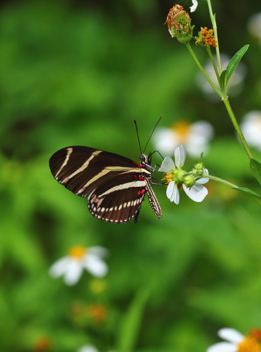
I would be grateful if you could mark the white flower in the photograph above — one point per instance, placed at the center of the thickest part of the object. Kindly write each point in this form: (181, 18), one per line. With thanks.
(254, 25)
(78, 259)
(236, 342)
(251, 128)
(194, 6)
(194, 136)
(197, 192)
(89, 348)
(235, 83)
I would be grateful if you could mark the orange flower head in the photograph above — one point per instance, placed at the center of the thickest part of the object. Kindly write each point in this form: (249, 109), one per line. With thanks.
(206, 37)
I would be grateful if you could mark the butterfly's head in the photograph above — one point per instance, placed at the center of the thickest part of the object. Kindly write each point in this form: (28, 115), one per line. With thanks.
(145, 159)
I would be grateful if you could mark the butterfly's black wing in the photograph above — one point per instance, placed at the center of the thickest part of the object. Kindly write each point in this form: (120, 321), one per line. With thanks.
(115, 185)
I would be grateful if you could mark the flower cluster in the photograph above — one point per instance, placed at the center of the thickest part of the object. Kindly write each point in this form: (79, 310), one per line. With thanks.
(236, 342)
(176, 177)
(206, 37)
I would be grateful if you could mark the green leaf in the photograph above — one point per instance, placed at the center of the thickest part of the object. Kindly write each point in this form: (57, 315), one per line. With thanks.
(223, 81)
(235, 61)
(131, 323)
(252, 194)
(255, 168)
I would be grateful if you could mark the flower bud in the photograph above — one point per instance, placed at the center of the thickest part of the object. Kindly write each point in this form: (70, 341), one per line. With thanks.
(189, 181)
(199, 167)
(179, 24)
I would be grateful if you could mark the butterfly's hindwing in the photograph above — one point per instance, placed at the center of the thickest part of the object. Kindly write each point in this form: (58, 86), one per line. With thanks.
(115, 185)
(120, 203)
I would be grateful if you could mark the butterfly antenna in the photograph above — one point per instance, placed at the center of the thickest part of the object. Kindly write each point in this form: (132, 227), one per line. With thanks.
(152, 133)
(137, 134)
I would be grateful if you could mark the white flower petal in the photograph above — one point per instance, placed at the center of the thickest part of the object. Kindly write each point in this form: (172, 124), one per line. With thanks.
(165, 140)
(74, 272)
(96, 266)
(194, 6)
(167, 165)
(230, 335)
(176, 195)
(195, 147)
(98, 250)
(180, 156)
(173, 192)
(87, 348)
(251, 128)
(222, 347)
(197, 192)
(170, 189)
(203, 129)
(202, 181)
(59, 267)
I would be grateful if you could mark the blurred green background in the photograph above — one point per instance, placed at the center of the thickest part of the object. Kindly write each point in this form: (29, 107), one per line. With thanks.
(78, 73)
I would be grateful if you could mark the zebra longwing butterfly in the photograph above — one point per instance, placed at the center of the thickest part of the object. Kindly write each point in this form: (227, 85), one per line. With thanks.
(115, 185)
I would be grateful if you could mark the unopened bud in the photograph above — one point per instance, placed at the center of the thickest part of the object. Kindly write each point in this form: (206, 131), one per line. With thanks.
(179, 24)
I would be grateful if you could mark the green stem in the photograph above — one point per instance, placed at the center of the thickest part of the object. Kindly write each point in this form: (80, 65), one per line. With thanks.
(214, 24)
(203, 72)
(214, 178)
(213, 61)
(225, 98)
(234, 121)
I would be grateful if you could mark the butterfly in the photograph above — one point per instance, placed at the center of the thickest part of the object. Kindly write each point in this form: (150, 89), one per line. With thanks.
(115, 185)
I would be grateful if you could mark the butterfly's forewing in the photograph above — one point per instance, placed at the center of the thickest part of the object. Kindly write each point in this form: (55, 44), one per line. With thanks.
(115, 185)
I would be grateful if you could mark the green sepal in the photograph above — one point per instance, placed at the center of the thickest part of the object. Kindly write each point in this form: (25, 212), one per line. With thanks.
(185, 37)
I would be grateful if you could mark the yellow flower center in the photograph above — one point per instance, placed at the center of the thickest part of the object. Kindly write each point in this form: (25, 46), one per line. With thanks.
(249, 344)
(177, 175)
(182, 129)
(168, 178)
(77, 252)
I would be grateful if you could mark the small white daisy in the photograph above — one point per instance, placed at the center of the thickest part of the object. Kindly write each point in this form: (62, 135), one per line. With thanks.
(197, 192)
(236, 342)
(194, 136)
(78, 259)
(89, 348)
(251, 128)
(194, 6)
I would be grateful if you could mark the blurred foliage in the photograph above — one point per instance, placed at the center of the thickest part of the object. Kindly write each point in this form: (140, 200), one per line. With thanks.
(77, 73)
